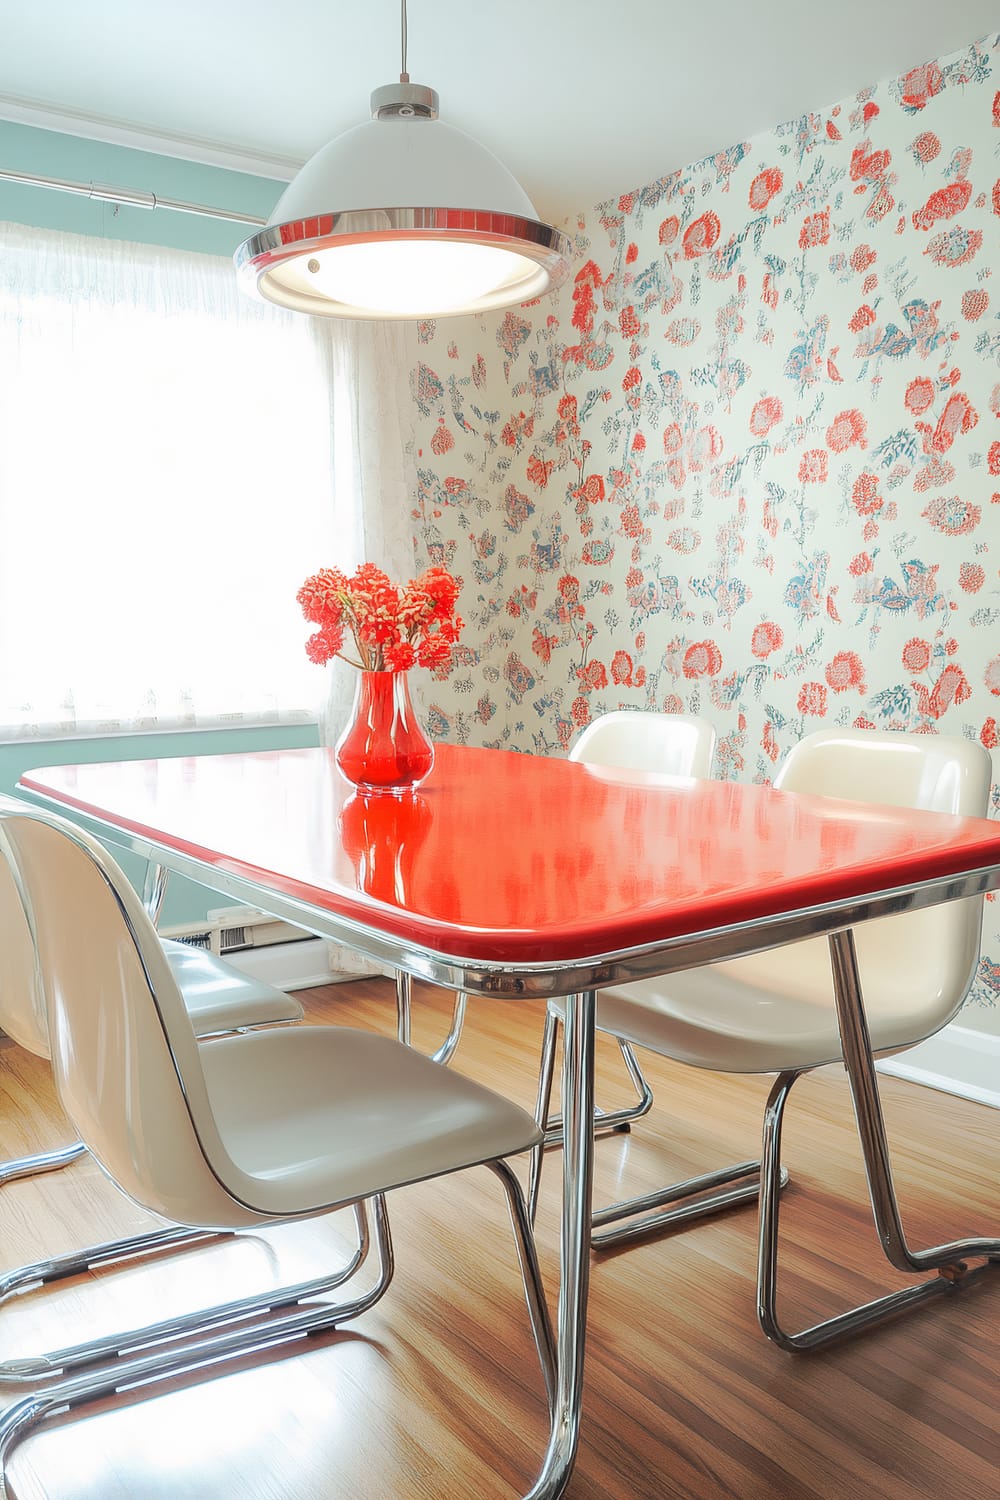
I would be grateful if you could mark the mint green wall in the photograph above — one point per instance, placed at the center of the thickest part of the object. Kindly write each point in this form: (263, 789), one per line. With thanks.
(50, 153)
(185, 901)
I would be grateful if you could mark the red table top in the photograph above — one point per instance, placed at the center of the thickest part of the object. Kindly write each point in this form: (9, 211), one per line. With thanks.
(509, 858)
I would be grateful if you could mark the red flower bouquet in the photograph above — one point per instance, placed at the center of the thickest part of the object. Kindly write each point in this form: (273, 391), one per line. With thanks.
(393, 628)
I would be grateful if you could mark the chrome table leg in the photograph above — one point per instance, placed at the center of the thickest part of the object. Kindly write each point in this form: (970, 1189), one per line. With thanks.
(574, 1250)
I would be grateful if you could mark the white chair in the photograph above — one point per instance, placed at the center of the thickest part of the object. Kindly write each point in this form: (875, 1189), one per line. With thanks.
(217, 997)
(670, 745)
(775, 1011)
(245, 1130)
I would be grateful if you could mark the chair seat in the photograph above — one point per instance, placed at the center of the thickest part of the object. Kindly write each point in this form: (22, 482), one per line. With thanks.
(775, 1011)
(220, 998)
(304, 1130)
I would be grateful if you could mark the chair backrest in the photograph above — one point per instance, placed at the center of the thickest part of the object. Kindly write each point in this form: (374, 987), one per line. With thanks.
(916, 968)
(123, 1049)
(22, 1003)
(674, 744)
(937, 772)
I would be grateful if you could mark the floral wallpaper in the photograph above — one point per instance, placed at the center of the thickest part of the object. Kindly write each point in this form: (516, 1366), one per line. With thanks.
(747, 463)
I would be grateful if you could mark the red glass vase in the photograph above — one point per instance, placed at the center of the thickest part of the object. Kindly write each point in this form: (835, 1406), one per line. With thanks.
(383, 748)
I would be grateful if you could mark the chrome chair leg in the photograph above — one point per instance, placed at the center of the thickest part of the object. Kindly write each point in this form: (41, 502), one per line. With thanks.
(44, 1161)
(404, 997)
(612, 1121)
(120, 1346)
(213, 1345)
(21, 1416)
(531, 1276)
(695, 1198)
(949, 1261)
(41, 1272)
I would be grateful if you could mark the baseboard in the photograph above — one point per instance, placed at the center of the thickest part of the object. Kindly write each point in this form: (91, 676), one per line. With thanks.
(959, 1060)
(289, 966)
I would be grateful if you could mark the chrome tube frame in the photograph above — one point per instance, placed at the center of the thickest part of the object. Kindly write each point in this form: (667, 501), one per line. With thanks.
(948, 1260)
(404, 1005)
(695, 1198)
(120, 1345)
(215, 1341)
(45, 1161)
(106, 1380)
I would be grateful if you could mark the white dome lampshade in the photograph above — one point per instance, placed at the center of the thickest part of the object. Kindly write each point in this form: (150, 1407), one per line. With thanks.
(403, 217)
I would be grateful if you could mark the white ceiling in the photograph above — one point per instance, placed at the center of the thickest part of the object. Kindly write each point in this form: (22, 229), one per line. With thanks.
(582, 99)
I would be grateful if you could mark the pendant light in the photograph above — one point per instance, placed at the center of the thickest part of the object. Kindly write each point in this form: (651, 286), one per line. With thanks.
(403, 217)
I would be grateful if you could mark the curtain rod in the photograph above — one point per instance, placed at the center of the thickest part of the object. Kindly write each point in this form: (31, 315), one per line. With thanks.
(128, 196)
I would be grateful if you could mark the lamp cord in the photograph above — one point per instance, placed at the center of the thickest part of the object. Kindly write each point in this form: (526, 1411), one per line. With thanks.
(404, 76)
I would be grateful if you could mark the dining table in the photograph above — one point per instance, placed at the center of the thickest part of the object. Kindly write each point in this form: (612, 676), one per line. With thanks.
(526, 877)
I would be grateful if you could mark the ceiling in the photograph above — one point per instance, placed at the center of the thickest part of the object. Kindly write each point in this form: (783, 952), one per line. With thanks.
(582, 99)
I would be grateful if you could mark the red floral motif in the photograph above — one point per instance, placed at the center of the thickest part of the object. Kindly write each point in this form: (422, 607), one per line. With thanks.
(862, 256)
(993, 458)
(936, 472)
(959, 416)
(845, 671)
(919, 395)
(442, 440)
(974, 304)
(813, 466)
(864, 316)
(593, 677)
(921, 84)
(846, 430)
(542, 644)
(580, 712)
(669, 230)
(769, 742)
(991, 676)
(701, 235)
(703, 659)
(764, 187)
(868, 165)
(988, 733)
(586, 279)
(815, 230)
(971, 577)
(926, 146)
(812, 699)
(916, 655)
(539, 470)
(943, 204)
(951, 687)
(629, 322)
(766, 412)
(865, 495)
(860, 565)
(767, 637)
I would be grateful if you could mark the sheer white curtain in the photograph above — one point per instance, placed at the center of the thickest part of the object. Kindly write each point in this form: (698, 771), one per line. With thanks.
(174, 460)
(372, 449)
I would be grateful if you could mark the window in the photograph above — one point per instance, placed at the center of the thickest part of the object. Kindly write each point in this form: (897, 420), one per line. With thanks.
(166, 482)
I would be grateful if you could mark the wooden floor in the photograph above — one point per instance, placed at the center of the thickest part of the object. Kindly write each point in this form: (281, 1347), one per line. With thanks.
(436, 1393)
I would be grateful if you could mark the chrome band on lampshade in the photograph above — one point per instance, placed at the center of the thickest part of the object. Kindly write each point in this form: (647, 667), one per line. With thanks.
(357, 233)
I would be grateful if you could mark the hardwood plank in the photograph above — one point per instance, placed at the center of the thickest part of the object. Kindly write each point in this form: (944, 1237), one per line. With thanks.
(436, 1391)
